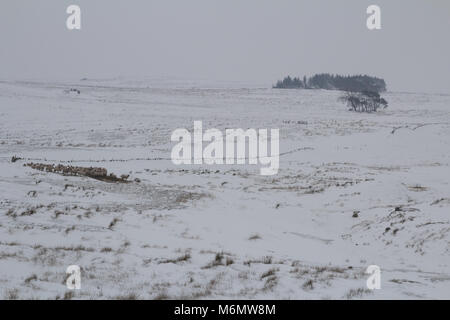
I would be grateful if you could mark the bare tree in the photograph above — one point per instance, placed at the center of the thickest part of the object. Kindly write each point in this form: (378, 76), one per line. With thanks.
(364, 101)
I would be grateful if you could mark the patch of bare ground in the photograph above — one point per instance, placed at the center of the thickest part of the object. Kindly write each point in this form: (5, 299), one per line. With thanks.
(97, 173)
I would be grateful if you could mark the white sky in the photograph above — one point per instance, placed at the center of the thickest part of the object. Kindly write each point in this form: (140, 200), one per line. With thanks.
(244, 40)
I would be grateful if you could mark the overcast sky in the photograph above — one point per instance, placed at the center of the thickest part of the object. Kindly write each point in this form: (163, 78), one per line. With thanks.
(244, 40)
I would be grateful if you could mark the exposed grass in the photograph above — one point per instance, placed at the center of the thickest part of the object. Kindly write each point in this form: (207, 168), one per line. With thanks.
(308, 285)
(11, 244)
(91, 172)
(357, 293)
(269, 273)
(264, 260)
(254, 237)
(228, 261)
(77, 248)
(113, 223)
(271, 282)
(72, 228)
(417, 188)
(184, 258)
(5, 255)
(219, 260)
(68, 295)
(11, 294)
(14, 159)
(28, 212)
(33, 277)
(161, 296)
(128, 296)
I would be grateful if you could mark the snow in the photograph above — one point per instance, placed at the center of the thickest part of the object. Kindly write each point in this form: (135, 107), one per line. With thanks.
(199, 231)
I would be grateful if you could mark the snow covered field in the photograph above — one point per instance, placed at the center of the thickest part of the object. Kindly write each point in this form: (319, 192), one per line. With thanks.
(353, 190)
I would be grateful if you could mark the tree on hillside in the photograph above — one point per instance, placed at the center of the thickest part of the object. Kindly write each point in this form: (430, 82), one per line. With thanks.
(365, 101)
(289, 83)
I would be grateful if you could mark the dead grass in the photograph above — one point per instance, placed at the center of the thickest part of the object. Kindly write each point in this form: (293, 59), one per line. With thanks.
(76, 248)
(254, 237)
(128, 296)
(69, 295)
(91, 172)
(113, 223)
(219, 260)
(308, 285)
(264, 260)
(417, 188)
(269, 273)
(161, 296)
(5, 255)
(11, 294)
(184, 258)
(271, 282)
(33, 277)
(14, 159)
(357, 293)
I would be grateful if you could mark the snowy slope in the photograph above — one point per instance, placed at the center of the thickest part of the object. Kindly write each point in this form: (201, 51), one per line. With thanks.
(222, 231)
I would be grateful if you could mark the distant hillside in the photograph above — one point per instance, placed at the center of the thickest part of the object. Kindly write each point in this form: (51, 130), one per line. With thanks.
(327, 81)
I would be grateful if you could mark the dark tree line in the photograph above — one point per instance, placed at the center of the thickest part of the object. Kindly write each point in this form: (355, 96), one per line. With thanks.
(290, 83)
(357, 83)
(362, 92)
